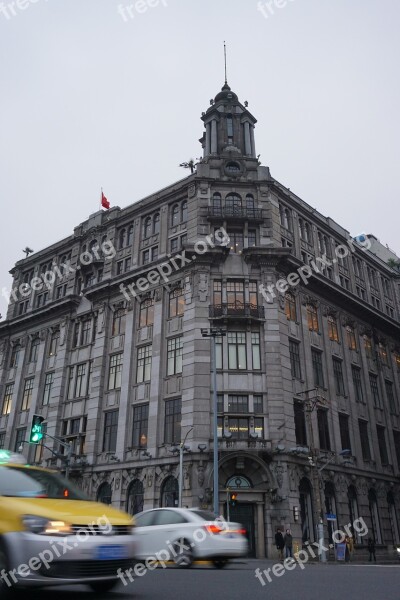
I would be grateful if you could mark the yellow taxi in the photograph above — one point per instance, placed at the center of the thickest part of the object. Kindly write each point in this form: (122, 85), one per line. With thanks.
(52, 534)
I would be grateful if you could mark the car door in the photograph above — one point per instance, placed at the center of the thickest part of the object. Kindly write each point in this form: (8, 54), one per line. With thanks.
(145, 532)
(169, 526)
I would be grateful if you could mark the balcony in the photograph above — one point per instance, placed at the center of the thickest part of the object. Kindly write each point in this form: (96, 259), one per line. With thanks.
(236, 310)
(235, 212)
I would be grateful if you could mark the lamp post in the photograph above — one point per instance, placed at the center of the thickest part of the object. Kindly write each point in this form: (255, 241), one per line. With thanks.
(213, 333)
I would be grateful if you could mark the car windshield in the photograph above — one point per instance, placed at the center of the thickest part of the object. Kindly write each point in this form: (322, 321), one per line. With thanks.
(31, 483)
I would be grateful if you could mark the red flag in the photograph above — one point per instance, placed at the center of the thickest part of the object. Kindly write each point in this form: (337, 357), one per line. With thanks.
(104, 202)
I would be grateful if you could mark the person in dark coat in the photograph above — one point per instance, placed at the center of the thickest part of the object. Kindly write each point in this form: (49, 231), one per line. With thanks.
(371, 549)
(280, 543)
(288, 540)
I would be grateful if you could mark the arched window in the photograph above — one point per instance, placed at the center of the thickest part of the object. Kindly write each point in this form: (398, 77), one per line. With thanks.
(333, 329)
(306, 511)
(184, 209)
(33, 355)
(147, 227)
(175, 215)
(307, 232)
(238, 482)
(122, 238)
(135, 496)
(312, 317)
(129, 239)
(250, 205)
(301, 229)
(104, 493)
(118, 325)
(156, 223)
(374, 514)
(217, 204)
(233, 202)
(394, 524)
(285, 217)
(93, 244)
(290, 307)
(353, 510)
(170, 492)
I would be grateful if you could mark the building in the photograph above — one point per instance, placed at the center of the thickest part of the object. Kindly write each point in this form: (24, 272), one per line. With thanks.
(111, 354)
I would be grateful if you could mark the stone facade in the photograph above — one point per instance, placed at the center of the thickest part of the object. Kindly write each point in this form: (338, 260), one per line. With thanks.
(103, 339)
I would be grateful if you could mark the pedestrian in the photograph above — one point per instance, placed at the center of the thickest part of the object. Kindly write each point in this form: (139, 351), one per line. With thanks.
(349, 548)
(288, 540)
(279, 542)
(371, 549)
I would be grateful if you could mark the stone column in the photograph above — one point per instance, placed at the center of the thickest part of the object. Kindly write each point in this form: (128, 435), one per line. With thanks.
(214, 148)
(253, 143)
(208, 139)
(247, 141)
(260, 531)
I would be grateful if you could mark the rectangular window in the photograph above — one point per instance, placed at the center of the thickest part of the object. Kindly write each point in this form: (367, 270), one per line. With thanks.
(176, 303)
(20, 439)
(146, 313)
(338, 376)
(61, 291)
(172, 432)
(294, 354)
(239, 427)
(368, 346)
(392, 399)
(115, 372)
(140, 426)
(80, 382)
(290, 307)
(259, 427)
(333, 329)
(344, 431)
(255, 350)
(253, 294)
(237, 350)
(48, 384)
(351, 338)
(236, 241)
(258, 404)
(251, 238)
(85, 332)
(7, 402)
(364, 438)
(174, 244)
(220, 403)
(317, 368)
(396, 437)
(174, 355)
(312, 318)
(144, 363)
(300, 423)
(27, 394)
(323, 429)
(146, 257)
(235, 294)
(238, 404)
(373, 380)
(217, 292)
(15, 355)
(357, 382)
(380, 431)
(110, 431)
(2, 439)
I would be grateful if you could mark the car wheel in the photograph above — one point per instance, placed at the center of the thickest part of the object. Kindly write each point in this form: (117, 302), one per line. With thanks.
(220, 563)
(103, 586)
(183, 554)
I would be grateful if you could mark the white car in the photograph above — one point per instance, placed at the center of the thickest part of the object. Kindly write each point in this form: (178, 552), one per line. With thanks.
(183, 535)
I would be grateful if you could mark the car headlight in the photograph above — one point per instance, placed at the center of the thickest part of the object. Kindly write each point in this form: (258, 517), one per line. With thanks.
(398, 549)
(43, 526)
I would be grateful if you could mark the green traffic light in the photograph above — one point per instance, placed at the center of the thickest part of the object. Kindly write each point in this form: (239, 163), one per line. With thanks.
(36, 429)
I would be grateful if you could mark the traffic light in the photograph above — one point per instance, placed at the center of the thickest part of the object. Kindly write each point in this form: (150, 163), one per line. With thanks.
(232, 498)
(36, 435)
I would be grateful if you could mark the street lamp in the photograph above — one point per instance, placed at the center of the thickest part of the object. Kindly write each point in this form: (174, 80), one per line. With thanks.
(213, 333)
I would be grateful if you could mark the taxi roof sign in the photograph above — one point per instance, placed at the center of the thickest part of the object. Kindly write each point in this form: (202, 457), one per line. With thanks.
(8, 457)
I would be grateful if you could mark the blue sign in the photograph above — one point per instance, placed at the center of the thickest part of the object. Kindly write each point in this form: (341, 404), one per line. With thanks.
(340, 551)
(330, 517)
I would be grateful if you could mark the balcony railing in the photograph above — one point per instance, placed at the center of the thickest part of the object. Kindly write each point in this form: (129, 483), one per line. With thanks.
(243, 310)
(236, 212)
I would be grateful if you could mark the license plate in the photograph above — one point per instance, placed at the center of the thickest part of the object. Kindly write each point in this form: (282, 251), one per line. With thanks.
(110, 552)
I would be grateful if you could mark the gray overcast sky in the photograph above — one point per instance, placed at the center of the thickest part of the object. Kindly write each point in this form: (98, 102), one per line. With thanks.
(89, 99)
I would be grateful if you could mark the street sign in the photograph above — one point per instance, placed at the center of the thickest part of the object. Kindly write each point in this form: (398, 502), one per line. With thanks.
(330, 517)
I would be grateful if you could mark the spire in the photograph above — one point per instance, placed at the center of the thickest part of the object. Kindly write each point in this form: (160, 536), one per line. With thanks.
(226, 78)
